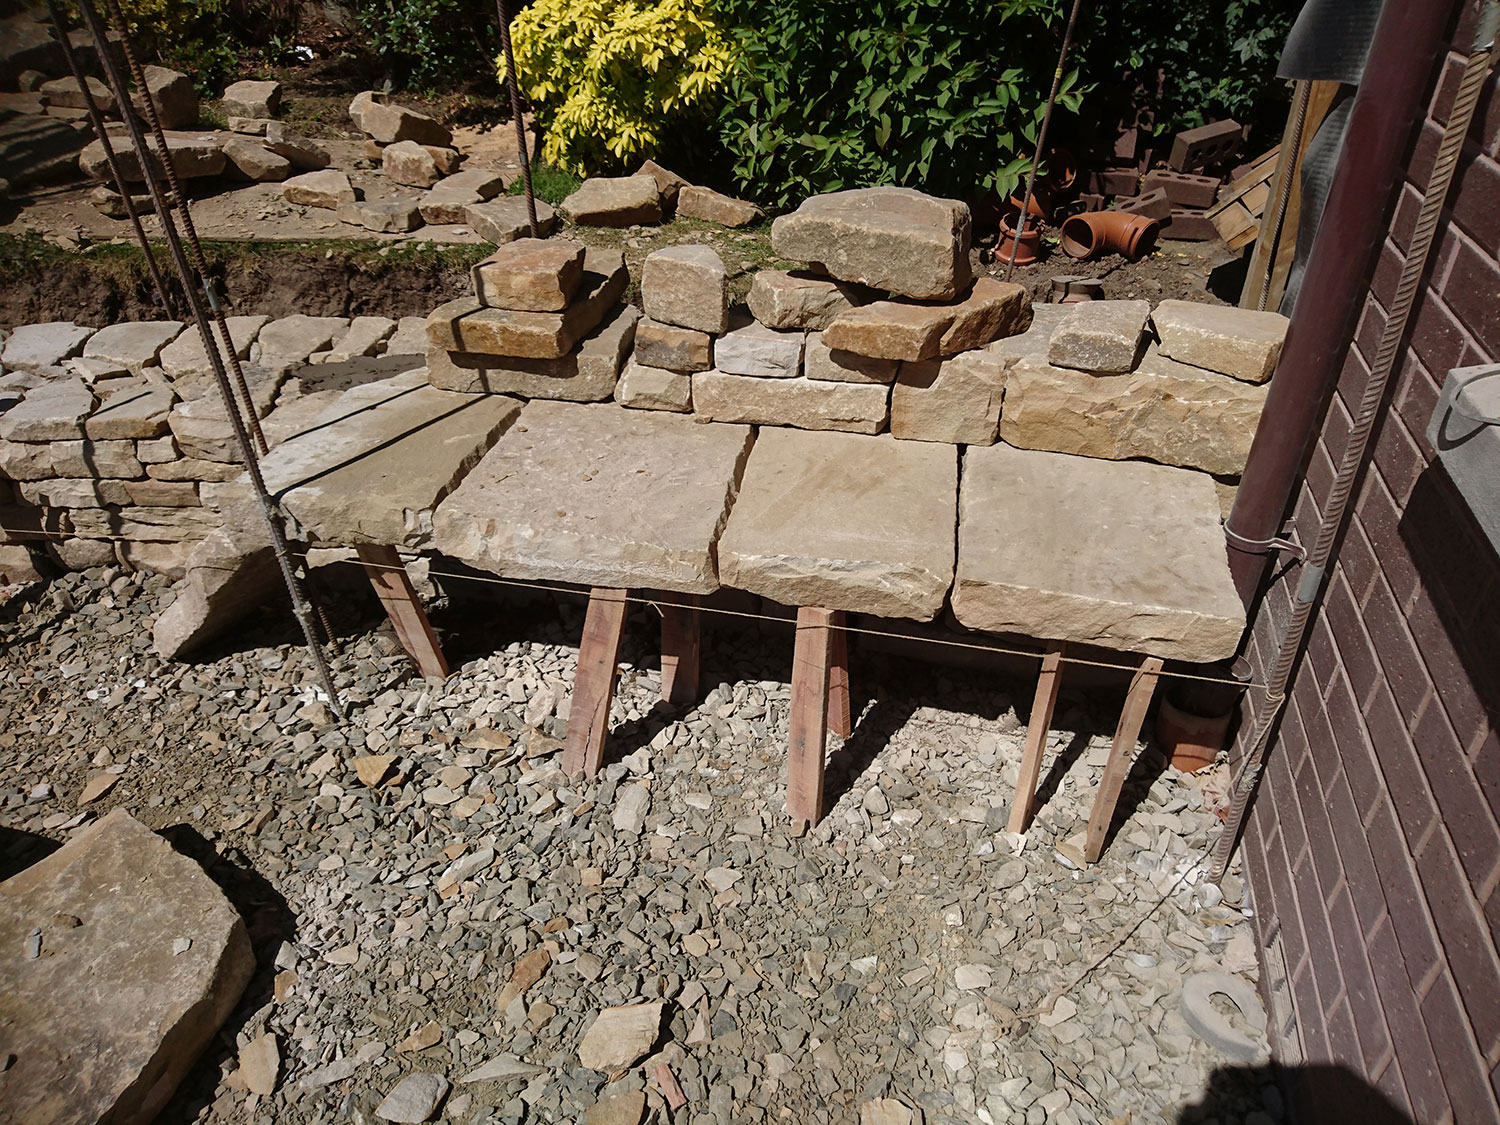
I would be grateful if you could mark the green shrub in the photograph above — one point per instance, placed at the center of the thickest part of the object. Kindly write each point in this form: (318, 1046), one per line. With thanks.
(945, 95)
(429, 43)
(612, 80)
(204, 38)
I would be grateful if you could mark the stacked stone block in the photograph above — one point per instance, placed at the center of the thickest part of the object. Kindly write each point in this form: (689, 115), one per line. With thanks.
(685, 294)
(545, 322)
(115, 444)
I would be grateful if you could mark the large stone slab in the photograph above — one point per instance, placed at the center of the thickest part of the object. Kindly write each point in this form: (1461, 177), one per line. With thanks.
(464, 325)
(819, 361)
(782, 299)
(506, 219)
(1241, 343)
(806, 404)
(711, 206)
(388, 123)
(193, 156)
(1100, 336)
(52, 412)
(133, 344)
(687, 286)
(33, 347)
(619, 201)
(230, 573)
(955, 400)
(135, 411)
(586, 374)
(844, 521)
(109, 1018)
(372, 467)
(292, 339)
(599, 496)
(185, 357)
(530, 275)
(895, 239)
(1128, 556)
(1164, 411)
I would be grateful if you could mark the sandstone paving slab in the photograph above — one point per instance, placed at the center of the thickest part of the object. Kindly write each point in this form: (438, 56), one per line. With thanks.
(291, 339)
(364, 337)
(586, 374)
(193, 155)
(134, 344)
(409, 338)
(600, 496)
(185, 357)
(136, 411)
(1241, 343)
(506, 219)
(1102, 336)
(1163, 411)
(54, 411)
(373, 466)
(33, 347)
(845, 521)
(108, 1017)
(806, 404)
(1126, 555)
(465, 325)
(895, 239)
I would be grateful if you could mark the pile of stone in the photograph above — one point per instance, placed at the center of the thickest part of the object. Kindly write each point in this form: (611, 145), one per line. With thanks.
(685, 298)
(651, 195)
(545, 321)
(115, 443)
(886, 325)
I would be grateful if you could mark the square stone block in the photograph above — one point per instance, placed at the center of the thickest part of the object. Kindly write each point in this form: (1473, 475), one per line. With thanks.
(599, 496)
(845, 521)
(586, 374)
(530, 275)
(803, 403)
(956, 400)
(1125, 555)
(687, 286)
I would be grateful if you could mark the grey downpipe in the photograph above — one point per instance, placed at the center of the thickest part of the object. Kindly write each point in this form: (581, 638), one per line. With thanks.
(1315, 569)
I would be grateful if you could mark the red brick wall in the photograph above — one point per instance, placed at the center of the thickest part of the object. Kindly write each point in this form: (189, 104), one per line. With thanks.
(1373, 849)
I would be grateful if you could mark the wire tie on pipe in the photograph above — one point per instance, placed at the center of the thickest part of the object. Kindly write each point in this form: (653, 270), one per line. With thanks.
(1264, 546)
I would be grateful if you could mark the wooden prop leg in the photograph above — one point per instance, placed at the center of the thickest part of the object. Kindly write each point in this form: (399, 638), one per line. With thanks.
(680, 635)
(811, 660)
(840, 719)
(594, 682)
(393, 586)
(1050, 679)
(1121, 754)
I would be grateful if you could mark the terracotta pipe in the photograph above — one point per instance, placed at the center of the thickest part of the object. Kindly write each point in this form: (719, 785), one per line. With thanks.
(1099, 232)
(1031, 240)
(1408, 43)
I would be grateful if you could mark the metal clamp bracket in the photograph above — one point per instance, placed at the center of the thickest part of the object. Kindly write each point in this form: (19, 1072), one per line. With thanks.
(1264, 546)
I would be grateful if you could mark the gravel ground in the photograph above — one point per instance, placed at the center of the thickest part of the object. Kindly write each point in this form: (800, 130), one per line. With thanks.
(907, 948)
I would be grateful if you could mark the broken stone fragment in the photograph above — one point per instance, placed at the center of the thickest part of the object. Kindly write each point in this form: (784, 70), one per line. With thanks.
(193, 156)
(407, 162)
(388, 123)
(953, 400)
(897, 330)
(715, 207)
(779, 299)
(753, 349)
(228, 574)
(652, 388)
(252, 99)
(386, 216)
(668, 183)
(328, 188)
(1241, 343)
(895, 239)
(415, 1099)
(588, 373)
(672, 348)
(286, 142)
(824, 363)
(506, 219)
(619, 1037)
(256, 162)
(1102, 336)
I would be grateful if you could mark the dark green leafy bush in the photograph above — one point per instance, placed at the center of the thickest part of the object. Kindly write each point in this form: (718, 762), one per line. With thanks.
(940, 94)
(430, 43)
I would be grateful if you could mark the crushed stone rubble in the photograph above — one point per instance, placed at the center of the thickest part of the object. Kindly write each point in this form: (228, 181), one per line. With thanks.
(449, 928)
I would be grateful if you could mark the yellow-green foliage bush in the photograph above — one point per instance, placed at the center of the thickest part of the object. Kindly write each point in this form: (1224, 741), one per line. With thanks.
(610, 79)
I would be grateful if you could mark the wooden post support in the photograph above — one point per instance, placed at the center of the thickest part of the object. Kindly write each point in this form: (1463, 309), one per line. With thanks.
(1121, 754)
(1050, 679)
(594, 682)
(840, 719)
(680, 639)
(393, 586)
(811, 679)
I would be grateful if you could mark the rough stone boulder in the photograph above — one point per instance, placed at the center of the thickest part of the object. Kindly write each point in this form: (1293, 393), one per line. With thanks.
(174, 95)
(620, 201)
(104, 1022)
(895, 239)
(715, 207)
(256, 162)
(388, 123)
(328, 188)
(252, 99)
(410, 164)
(304, 154)
(506, 219)
(193, 155)
(1241, 343)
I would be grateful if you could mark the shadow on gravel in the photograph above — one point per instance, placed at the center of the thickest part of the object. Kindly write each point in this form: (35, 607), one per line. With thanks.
(19, 850)
(1318, 1093)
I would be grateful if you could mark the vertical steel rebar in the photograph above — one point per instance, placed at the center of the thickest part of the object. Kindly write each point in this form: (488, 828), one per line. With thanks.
(1041, 137)
(96, 118)
(195, 295)
(515, 112)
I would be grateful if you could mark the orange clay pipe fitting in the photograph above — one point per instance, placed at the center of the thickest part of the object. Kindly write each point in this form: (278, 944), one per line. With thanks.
(1098, 232)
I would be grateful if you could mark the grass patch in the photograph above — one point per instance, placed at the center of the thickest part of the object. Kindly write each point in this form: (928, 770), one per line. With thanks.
(550, 184)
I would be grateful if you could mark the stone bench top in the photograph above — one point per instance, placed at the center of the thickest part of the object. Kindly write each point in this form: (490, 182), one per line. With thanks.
(1123, 554)
(371, 468)
(600, 496)
(845, 521)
